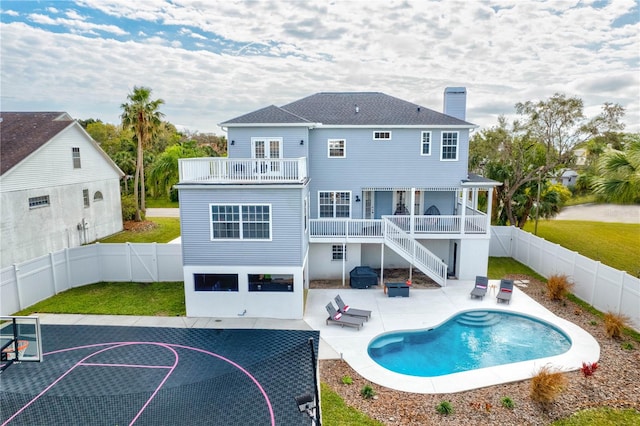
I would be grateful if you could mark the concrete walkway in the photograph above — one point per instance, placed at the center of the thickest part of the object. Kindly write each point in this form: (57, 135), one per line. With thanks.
(601, 213)
(163, 212)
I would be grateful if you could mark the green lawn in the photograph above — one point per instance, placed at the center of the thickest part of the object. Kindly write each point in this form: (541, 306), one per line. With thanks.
(116, 298)
(614, 244)
(168, 229)
(603, 416)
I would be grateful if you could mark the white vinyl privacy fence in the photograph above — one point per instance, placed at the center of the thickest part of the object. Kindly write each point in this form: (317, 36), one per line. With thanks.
(24, 284)
(29, 282)
(606, 288)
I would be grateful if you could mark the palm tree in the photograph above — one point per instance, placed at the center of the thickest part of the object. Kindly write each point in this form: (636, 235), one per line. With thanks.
(141, 115)
(619, 180)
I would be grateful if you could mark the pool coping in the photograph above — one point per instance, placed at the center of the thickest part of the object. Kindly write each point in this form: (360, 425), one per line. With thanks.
(427, 308)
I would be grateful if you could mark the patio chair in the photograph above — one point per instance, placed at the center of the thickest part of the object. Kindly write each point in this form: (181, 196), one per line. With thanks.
(480, 288)
(352, 312)
(336, 317)
(506, 288)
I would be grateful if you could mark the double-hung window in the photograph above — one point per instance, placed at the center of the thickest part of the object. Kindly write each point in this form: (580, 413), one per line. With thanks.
(337, 148)
(338, 252)
(240, 222)
(75, 155)
(425, 143)
(85, 197)
(334, 204)
(449, 151)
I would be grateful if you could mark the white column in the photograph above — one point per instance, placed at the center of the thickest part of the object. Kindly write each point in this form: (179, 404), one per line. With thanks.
(465, 194)
(412, 212)
(489, 206)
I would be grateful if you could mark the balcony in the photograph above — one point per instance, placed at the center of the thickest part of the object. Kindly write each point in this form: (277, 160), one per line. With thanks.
(242, 170)
(371, 230)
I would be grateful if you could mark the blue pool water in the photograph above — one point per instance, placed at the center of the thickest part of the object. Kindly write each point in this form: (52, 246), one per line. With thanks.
(467, 341)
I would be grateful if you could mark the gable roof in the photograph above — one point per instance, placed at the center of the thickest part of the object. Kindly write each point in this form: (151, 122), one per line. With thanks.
(350, 109)
(23, 133)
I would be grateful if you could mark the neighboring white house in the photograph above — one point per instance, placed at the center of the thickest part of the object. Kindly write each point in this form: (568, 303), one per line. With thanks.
(58, 188)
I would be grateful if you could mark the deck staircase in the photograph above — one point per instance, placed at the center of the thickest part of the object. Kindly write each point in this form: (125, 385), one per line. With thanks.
(414, 252)
(478, 318)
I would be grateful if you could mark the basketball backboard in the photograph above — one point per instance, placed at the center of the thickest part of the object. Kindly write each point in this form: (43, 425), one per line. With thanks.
(20, 340)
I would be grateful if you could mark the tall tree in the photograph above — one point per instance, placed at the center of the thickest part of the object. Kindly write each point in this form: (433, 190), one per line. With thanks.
(527, 153)
(141, 114)
(619, 173)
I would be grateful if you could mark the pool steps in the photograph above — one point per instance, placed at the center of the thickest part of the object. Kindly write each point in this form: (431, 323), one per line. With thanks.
(478, 319)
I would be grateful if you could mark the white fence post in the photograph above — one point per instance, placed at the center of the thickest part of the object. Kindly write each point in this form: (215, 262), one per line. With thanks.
(16, 277)
(54, 281)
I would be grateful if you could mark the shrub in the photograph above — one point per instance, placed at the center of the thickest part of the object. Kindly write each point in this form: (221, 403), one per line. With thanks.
(347, 380)
(614, 324)
(546, 385)
(507, 402)
(445, 408)
(593, 322)
(128, 203)
(627, 346)
(367, 392)
(558, 286)
(588, 368)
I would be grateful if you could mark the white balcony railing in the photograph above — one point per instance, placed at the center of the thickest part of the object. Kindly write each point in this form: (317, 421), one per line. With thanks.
(242, 170)
(423, 225)
(361, 228)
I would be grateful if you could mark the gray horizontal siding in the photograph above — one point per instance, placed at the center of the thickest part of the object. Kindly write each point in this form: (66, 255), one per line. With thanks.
(284, 249)
(394, 163)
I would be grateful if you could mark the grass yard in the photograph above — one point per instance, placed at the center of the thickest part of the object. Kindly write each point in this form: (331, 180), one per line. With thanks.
(116, 298)
(166, 229)
(614, 244)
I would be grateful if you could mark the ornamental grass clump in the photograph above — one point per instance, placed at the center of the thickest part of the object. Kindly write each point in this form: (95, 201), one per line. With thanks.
(614, 324)
(546, 385)
(367, 392)
(445, 408)
(558, 286)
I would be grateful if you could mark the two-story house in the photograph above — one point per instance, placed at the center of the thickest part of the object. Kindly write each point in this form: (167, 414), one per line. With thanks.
(58, 188)
(313, 188)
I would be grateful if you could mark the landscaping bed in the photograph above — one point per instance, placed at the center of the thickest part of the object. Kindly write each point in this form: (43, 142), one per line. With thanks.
(616, 383)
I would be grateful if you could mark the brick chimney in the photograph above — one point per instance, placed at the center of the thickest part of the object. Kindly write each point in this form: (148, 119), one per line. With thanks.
(455, 102)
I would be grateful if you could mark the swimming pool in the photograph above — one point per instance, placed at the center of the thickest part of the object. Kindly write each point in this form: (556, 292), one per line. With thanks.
(468, 341)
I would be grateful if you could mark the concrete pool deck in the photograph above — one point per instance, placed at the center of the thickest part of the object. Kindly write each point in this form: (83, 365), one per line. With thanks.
(427, 308)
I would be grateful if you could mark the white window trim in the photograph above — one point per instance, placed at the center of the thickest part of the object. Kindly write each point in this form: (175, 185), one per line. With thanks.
(329, 148)
(422, 143)
(334, 211)
(241, 238)
(39, 202)
(342, 251)
(379, 138)
(266, 141)
(442, 146)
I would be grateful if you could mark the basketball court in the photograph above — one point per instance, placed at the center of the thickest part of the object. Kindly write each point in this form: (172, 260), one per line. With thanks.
(113, 375)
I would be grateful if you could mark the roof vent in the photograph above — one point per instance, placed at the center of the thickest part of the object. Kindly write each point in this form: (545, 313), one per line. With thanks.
(357, 109)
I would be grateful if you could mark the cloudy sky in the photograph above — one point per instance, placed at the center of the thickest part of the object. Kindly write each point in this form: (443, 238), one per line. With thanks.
(213, 60)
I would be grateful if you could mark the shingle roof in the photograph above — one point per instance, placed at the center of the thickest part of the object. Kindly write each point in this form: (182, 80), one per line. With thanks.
(351, 108)
(22, 133)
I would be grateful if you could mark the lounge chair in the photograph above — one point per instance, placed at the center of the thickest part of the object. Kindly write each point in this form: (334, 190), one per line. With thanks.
(336, 317)
(480, 288)
(352, 312)
(506, 288)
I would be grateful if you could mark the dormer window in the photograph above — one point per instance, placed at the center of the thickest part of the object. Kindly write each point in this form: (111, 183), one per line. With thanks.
(381, 136)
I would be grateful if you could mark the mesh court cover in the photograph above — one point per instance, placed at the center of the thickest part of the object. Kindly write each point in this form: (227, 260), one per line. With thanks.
(105, 375)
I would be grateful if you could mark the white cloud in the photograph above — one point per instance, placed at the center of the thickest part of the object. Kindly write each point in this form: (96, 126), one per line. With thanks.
(503, 51)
